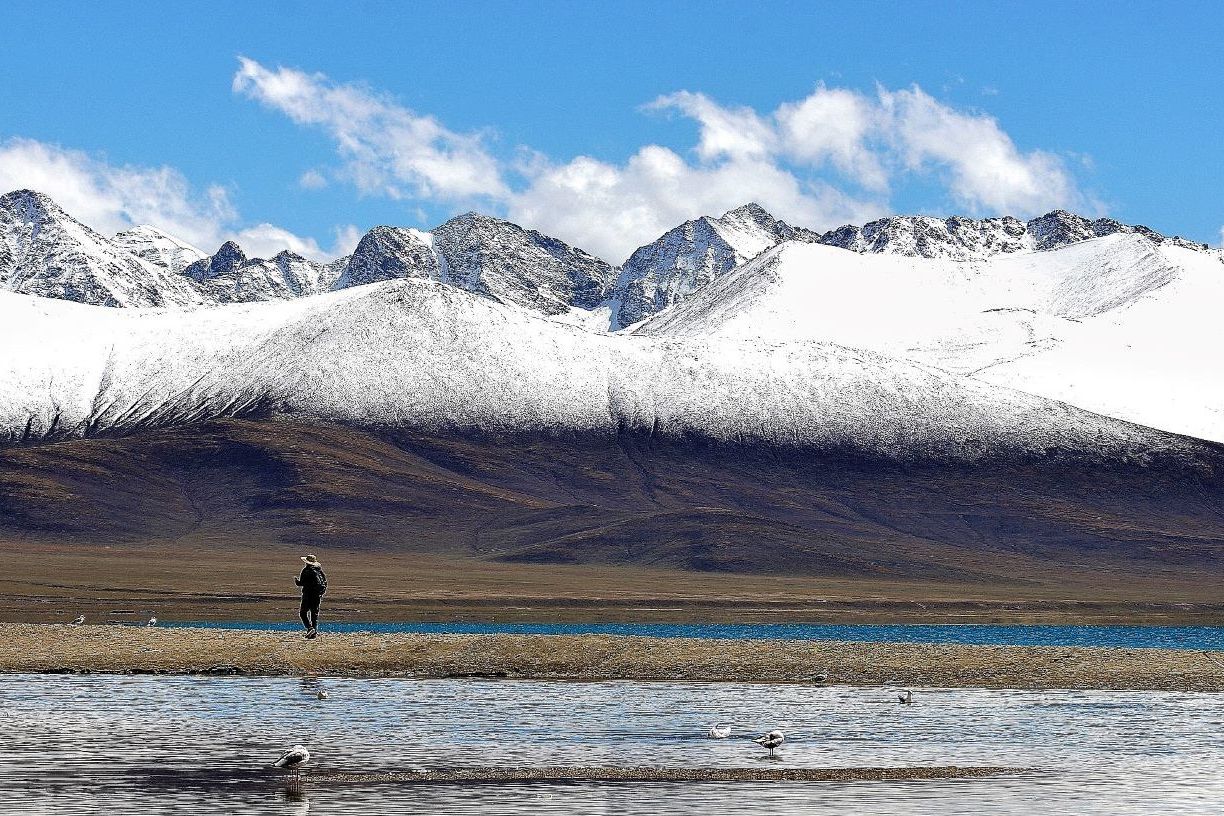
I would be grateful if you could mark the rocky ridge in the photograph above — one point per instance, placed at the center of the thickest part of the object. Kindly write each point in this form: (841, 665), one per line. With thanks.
(969, 239)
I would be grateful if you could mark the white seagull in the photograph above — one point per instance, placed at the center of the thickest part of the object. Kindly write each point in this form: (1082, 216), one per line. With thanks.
(906, 697)
(322, 695)
(151, 622)
(719, 731)
(294, 758)
(772, 741)
(79, 620)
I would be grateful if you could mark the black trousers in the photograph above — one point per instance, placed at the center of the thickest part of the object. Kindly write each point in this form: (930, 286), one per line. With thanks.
(310, 610)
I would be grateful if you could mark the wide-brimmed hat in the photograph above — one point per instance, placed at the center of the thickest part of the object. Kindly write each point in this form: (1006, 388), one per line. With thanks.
(311, 560)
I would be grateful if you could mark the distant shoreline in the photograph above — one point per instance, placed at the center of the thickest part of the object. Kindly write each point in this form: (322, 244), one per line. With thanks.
(46, 648)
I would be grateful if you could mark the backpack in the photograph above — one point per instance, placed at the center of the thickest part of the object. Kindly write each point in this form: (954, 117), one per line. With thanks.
(320, 581)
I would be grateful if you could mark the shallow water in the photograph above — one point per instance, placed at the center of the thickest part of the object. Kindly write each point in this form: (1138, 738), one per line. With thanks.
(153, 745)
(1131, 637)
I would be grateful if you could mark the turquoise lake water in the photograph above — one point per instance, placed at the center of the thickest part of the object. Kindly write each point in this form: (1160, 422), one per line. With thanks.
(1131, 637)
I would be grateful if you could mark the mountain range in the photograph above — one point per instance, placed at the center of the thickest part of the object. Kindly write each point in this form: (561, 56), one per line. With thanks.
(45, 251)
(741, 394)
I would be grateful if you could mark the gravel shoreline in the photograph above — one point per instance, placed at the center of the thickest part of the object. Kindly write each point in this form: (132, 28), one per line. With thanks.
(48, 648)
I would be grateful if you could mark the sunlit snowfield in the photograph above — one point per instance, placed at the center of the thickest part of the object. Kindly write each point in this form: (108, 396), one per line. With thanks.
(150, 745)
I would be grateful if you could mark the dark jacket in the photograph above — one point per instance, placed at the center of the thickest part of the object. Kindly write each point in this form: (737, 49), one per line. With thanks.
(312, 581)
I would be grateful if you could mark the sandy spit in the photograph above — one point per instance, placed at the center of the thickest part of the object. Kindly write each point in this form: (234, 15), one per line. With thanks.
(655, 774)
(33, 648)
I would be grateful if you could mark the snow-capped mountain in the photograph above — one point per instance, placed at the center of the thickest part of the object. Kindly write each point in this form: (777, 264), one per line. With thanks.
(46, 252)
(1120, 325)
(486, 256)
(1108, 317)
(391, 253)
(969, 239)
(514, 265)
(424, 357)
(686, 258)
(229, 276)
(158, 248)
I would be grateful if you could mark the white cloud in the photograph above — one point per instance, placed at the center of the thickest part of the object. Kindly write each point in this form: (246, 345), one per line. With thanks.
(612, 209)
(312, 180)
(732, 133)
(835, 126)
(110, 198)
(386, 148)
(833, 157)
(872, 143)
(983, 168)
(346, 238)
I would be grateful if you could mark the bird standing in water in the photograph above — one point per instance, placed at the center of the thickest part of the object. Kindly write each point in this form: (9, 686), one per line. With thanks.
(773, 740)
(293, 759)
(906, 697)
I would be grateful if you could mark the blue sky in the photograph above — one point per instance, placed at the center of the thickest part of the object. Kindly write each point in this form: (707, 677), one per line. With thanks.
(606, 123)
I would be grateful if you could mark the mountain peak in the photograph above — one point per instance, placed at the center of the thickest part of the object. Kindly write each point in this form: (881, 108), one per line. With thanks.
(751, 210)
(157, 247)
(474, 219)
(229, 253)
(32, 204)
(44, 251)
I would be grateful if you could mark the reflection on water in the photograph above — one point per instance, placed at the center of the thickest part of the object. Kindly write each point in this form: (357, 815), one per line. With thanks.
(153, 745)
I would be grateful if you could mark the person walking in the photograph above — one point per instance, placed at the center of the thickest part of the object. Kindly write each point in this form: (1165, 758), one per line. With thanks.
(313, 582)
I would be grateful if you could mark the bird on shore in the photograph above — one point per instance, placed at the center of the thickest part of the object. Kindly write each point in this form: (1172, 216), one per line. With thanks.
(820, 678)
(906, 697)
(772, 740)
(719, 731)
(151, 622)
(293, 759)
(78, 620)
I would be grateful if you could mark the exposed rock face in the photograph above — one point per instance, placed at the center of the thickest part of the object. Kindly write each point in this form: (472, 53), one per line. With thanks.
(688, 257)
(485, 256)
(46, 252)
(1060, 228)
(388, 253)
(510, 264)
(969, 239)
(924, 237)
(230, 277)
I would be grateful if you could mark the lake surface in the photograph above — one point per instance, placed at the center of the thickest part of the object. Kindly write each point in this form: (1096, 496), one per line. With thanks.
(157, 745)
(1131, 637)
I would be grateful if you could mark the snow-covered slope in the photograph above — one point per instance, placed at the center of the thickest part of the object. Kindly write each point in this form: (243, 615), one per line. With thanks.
(46, 252)
(158, 248)
(229, 276)
(967, 239)
(419, 355)
(691, 255)
(1119, 325)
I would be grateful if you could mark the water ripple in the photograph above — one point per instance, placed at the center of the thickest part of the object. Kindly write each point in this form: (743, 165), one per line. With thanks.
(152, 745)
